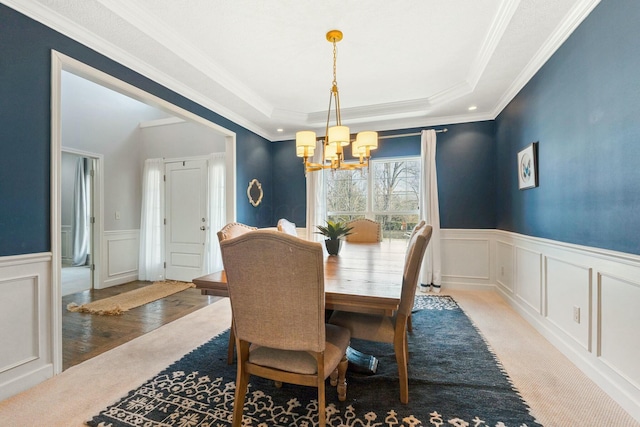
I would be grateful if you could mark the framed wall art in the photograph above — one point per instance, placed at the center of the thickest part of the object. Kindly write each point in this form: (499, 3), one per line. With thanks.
(528, 167)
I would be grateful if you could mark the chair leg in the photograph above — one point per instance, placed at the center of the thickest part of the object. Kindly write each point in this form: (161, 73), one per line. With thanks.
(342, 381)
(409, 325)
(242, 381)
(232, 344)
(322, 416)
(400, 347)
(334, 377)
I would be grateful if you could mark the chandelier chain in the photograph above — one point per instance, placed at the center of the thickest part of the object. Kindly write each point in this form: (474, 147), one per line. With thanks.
(335, 54)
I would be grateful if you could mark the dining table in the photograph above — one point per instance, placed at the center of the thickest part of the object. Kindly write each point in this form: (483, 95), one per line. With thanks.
(363, 277)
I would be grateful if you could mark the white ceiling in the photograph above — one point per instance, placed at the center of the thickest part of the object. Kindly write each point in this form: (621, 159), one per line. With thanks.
(267, 64)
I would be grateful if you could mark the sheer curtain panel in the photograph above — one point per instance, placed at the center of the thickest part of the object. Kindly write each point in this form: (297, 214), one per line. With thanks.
(217, 218)
(150, 264)
(80, 220)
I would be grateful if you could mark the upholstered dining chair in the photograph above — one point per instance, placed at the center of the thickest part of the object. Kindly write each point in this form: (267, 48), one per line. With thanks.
(364, 231)
(234, 229)
(393, 329)
(276, 287)
(418, 226)
(229, 231)
(287, 226)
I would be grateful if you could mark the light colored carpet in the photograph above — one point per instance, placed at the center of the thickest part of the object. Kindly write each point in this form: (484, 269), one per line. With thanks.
(558, 393)
(125, 301)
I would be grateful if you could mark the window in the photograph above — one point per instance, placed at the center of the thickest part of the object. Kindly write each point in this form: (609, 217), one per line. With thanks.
(388, 193)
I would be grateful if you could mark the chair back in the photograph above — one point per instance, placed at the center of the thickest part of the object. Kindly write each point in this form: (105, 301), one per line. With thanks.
(416, 249)
(276, 287)
(287, 226)
(234, 229)
(364, 231)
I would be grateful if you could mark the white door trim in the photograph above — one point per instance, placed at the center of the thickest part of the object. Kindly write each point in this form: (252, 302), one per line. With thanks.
(60, 62)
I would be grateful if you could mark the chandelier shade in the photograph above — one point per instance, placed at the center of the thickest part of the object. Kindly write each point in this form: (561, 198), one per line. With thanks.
(337, 135)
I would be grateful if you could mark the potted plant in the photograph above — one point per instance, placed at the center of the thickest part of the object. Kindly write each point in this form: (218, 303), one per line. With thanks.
(334, 231)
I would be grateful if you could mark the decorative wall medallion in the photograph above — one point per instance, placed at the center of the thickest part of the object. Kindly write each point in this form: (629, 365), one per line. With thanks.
(254, 192)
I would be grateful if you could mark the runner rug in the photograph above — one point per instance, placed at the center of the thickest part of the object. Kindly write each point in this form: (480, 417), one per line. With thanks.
(454, 380)
(125, 301)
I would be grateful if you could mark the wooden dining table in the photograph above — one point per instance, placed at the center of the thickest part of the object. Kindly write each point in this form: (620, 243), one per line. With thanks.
(364, 277)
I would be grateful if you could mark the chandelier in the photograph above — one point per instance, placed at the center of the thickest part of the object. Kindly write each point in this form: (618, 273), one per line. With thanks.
(336, 137)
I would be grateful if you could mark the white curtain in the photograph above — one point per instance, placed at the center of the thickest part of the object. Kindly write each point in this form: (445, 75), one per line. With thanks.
(80, 223)
(316, 201)
(150, 264)
(217, 217)
(431, 275)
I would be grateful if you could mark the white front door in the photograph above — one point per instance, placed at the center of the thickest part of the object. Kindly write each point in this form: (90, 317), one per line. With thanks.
(186, 216)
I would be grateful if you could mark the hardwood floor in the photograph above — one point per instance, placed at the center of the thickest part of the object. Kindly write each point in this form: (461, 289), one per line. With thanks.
(87, 335)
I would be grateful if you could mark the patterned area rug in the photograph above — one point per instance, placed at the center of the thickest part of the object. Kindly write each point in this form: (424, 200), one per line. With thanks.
(454, 380)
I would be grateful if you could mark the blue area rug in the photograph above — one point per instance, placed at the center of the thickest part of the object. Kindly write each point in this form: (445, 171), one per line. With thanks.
(454, 380)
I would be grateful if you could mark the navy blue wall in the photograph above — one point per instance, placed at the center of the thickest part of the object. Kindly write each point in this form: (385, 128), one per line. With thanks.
(465, 161)
(25, 93)
(583, 107)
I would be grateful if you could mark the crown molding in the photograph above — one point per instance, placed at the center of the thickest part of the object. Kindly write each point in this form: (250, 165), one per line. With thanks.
(401, 108)
(64, 26)
(574, 18)
(498, 27)
(161, 122)
(180, 47)
(402, 123)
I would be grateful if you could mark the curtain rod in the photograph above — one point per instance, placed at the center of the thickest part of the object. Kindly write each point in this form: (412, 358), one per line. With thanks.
(400, 135)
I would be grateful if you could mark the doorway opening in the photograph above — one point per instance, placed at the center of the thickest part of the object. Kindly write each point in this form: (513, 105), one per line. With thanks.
(78, 192)
(103, 240)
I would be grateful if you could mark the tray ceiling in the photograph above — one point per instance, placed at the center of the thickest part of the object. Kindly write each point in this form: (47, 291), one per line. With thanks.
(267, 65)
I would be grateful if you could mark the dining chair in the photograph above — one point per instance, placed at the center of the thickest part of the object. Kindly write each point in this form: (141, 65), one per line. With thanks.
(418, 226)
(287, 226)
(234, 229)
(276, 287)
(364, 231)
(229, 231)
(393, 329)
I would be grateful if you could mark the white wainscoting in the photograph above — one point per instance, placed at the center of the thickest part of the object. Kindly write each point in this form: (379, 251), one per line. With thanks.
(25, 322)
(585, 301)
(119, 257)
(466, 258)
(66, 244)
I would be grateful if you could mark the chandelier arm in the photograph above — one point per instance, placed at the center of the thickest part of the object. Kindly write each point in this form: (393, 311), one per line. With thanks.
(326, 129)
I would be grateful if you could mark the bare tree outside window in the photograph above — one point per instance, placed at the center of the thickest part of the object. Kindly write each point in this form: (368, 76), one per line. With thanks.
(388, 193)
